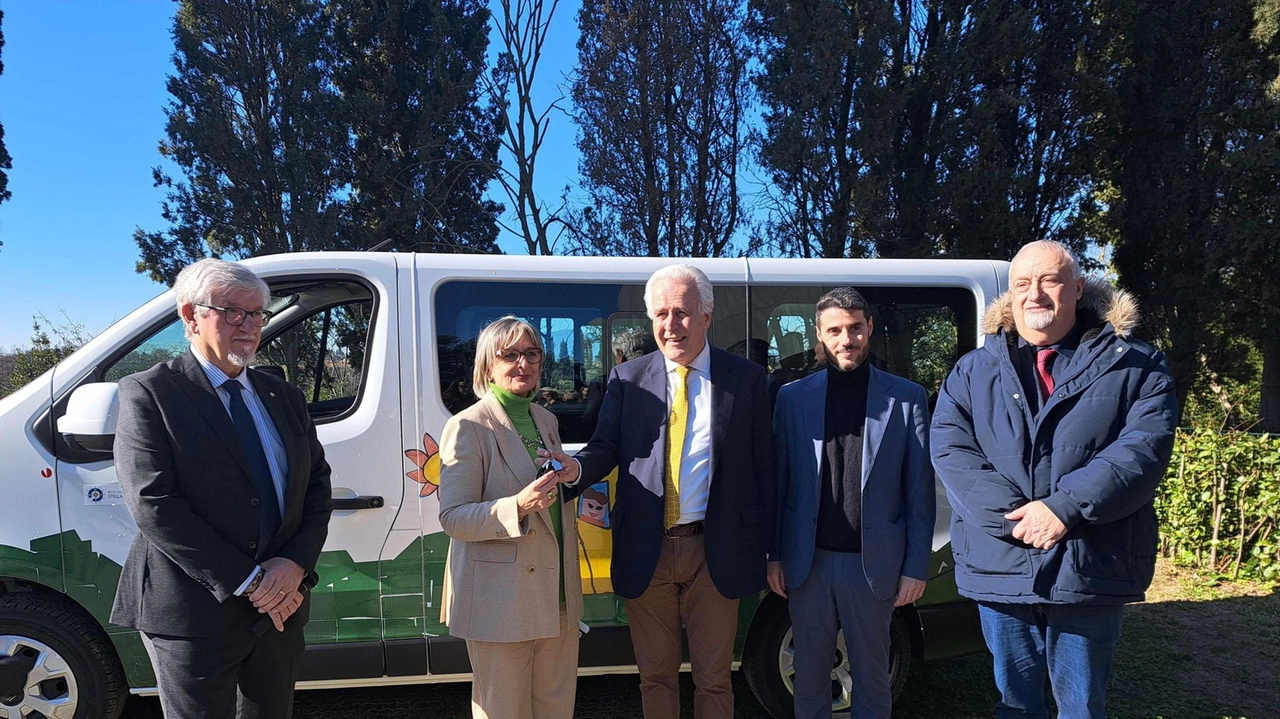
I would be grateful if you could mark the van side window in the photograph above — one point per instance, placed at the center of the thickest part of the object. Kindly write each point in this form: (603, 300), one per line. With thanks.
(162, 346)
(317, 343)
(586, 330)
(919, 332)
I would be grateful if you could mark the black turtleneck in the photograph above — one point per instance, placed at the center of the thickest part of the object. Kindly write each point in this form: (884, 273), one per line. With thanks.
(840, 500)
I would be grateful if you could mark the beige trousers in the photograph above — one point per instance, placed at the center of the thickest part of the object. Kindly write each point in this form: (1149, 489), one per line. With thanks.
(535, 679)
(681, 592)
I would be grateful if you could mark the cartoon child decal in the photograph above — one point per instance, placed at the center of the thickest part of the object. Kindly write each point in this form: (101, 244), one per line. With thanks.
(428, 472)
(593, 505)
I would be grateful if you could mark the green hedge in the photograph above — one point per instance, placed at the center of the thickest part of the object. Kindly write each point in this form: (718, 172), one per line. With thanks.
(1219, 504)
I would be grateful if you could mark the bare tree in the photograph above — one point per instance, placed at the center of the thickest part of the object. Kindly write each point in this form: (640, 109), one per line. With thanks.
(659, 100)
(522, 28)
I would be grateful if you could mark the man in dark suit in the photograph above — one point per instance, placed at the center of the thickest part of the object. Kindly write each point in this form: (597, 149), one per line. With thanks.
(223, 474)
(857, 528)
(688, 429)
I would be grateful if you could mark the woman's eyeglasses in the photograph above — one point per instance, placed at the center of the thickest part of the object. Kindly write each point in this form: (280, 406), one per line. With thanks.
(532, 356)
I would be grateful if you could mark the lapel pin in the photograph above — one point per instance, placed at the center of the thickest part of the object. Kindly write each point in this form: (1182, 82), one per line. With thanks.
(273, 394)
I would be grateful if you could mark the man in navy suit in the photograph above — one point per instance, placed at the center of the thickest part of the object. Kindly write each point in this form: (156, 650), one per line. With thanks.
(688, 429)
(856, 500)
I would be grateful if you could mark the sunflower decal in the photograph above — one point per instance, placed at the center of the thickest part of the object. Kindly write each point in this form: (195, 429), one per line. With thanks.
(428, 466)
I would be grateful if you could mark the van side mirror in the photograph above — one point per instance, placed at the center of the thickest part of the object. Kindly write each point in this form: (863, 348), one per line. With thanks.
(89, 424)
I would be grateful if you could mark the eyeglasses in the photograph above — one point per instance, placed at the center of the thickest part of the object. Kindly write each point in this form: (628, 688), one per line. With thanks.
(532, 356)
(235, 316)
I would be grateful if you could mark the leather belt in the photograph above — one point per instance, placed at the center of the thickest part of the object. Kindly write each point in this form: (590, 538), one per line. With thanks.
(686, 530)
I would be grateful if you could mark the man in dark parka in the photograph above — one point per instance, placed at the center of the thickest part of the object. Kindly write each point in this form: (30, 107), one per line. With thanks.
(1050, 440)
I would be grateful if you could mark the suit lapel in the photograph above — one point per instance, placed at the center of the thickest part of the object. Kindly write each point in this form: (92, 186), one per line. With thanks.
(548, 431)
(815, 420)
(879, 405)
(653, 382)
(721, 409)
(514, 454)
(194, 383)
(654, 379)
(290, 436)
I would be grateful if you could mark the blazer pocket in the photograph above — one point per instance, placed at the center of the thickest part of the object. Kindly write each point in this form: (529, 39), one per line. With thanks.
(494, 550)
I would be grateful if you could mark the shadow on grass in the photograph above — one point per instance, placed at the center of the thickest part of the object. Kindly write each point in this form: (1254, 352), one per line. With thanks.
(1179, 659)
(1190, 659)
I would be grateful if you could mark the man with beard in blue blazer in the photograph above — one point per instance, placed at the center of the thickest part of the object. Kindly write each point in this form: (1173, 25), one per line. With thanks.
(856, 509)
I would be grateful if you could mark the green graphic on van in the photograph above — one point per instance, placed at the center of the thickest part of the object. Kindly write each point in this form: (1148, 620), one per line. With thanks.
(354, 601)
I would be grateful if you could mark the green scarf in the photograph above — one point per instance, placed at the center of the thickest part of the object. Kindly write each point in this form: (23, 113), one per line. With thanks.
(517, 408)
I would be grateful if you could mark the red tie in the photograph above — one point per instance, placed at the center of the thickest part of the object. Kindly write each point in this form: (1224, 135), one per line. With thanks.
(1043, 377)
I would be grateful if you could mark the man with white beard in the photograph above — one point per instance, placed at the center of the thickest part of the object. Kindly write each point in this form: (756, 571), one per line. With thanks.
(1050, 440)
(222, 472)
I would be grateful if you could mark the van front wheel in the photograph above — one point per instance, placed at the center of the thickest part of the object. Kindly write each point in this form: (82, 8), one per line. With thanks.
(768, 660)
(55, 661)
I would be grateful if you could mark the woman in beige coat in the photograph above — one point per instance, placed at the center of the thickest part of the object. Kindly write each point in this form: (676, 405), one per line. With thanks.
(511, 588)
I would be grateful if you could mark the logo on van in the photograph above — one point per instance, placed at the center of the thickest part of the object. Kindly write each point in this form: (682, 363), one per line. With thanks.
(428, 466)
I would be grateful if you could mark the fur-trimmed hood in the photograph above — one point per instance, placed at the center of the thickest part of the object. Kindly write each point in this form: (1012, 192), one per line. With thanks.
(1101, 303)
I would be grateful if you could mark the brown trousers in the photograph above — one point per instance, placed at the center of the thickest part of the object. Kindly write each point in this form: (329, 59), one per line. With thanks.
(681, 591)
(535, 679)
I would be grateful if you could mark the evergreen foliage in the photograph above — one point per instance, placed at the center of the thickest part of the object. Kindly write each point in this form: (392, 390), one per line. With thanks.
(6, 162)
(251, 129)
(1217, 505)
(50, 343)
(308, 125)
(422, 143)
(914, 129)
(1185, 136)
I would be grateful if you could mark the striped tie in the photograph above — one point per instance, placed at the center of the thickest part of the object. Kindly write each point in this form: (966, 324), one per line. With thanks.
(677, 422)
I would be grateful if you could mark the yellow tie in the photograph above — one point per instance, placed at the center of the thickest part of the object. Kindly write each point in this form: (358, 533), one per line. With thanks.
(676, 424)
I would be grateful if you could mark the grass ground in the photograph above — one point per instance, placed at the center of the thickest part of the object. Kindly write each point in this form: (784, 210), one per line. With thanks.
(1196, 649)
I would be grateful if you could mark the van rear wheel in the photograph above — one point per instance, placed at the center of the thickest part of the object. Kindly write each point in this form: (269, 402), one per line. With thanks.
(55, 661)
(768, 660)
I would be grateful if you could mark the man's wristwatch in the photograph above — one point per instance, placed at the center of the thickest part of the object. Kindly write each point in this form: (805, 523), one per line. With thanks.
(253, 586)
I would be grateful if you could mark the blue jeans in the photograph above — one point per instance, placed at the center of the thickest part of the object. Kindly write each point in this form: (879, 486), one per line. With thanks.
(1067, 647)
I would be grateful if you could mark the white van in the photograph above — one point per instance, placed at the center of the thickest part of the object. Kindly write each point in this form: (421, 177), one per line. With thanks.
(382, 345)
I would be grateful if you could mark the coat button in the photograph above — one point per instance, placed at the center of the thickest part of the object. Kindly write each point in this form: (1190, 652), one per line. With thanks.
(253, 545)
(254, 501)
(532, 532)
(530, 569)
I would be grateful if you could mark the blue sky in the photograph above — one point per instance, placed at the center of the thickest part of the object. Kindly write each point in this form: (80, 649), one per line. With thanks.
(81, 101)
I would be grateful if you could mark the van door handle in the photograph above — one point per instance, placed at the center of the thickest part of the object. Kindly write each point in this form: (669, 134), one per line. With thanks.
(357, 503)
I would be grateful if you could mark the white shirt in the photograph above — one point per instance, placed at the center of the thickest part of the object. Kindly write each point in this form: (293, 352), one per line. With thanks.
(695, 465)
(277, 459)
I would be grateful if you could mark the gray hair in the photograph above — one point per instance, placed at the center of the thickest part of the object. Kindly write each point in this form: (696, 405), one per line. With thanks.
(634, 344)
(842, 298)
(500, 334)
(198, 282)
(682, 273)
(1072, 263)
